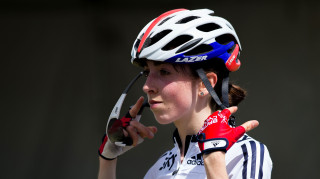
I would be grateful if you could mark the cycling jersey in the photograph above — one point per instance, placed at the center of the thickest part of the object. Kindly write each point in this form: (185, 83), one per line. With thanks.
(247, 158)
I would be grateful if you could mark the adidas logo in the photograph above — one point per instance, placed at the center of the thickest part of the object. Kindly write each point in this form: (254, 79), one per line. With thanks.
(195, 160)
(215, 143)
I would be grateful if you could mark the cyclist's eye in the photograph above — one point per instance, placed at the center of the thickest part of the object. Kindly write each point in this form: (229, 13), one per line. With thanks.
(164, 72)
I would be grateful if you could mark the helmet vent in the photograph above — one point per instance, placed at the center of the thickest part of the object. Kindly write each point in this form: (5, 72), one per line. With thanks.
(225, 39)
(136, 45)
(208, 27)
(156, 38)
(165, 20)
(201, 49)
(177, 42)
(189, 45)
(187, 19)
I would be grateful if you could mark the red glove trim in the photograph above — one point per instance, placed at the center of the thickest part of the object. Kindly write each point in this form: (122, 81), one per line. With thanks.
(216, 133)
(104, 141)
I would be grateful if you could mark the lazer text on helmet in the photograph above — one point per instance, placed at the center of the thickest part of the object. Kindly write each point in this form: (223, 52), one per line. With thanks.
(191, 59)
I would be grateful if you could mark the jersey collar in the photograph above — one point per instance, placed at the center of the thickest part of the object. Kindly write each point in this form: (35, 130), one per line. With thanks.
(189, 139)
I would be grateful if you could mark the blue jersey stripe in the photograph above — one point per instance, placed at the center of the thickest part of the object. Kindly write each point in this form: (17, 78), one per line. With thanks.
(245, 162)
(261, 160)
(254, 158)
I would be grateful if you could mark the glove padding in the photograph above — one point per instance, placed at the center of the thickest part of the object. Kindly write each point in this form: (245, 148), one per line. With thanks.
(216, 133)
(110, 150)
(116, 127)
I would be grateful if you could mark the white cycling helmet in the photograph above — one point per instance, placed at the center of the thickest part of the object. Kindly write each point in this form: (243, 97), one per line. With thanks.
(188, 36)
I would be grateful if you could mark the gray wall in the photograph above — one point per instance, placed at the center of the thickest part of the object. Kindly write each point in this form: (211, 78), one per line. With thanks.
(64, 64)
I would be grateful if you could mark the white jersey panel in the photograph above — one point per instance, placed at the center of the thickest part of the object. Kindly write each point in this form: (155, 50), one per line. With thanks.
(246, 159)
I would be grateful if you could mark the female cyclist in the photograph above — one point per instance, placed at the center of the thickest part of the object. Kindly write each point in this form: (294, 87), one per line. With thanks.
(187, 56)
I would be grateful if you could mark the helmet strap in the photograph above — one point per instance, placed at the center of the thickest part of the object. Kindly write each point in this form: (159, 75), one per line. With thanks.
(225, 89)
(225, 84)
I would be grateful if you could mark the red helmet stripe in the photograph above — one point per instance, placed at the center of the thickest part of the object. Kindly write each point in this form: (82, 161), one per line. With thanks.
(154, 23)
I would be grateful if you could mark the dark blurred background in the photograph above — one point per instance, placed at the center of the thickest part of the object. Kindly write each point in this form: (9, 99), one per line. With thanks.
(65, 63)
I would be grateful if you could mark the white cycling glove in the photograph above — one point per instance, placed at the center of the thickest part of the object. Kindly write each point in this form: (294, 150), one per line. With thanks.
(110, 150)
